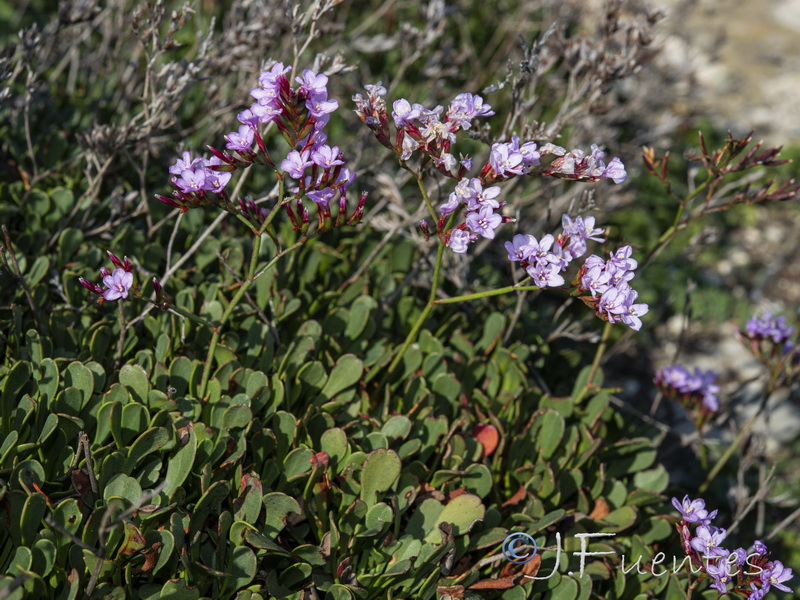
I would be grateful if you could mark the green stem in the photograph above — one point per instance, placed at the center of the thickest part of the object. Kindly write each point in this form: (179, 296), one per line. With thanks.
(703, 450)
(252, 276)
(228, 310)
(425, 312)
(598, 356)
(742, 434)
(497, 292)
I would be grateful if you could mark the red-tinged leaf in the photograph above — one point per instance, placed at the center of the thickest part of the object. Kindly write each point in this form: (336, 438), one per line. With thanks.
(455, 493)
(600, 511)
(503, 583)
(454, 591)
(518, 497)
(487, 436)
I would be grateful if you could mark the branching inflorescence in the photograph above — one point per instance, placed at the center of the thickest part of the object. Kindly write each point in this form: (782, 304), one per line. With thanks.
(750, 574)
(473, 209)
(300, 115)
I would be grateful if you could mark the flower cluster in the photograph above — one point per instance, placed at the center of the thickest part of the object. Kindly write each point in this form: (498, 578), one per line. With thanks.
(431, 132)
(576, 164)
(769, 327)
(772, 340)
(607, 282)
(695, 390)
(300, 114)
(119, 283)
(722, 566)
(544, 260)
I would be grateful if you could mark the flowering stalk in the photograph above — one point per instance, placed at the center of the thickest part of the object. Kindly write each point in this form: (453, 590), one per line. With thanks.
(430, 134)
(751, 574)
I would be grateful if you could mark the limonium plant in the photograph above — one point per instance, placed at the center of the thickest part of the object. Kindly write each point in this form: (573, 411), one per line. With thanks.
(312, 175)
(423, 139)
(311, 170)
(751, 574)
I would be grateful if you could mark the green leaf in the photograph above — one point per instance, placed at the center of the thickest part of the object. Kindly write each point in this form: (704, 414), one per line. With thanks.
(381, 469)
(209, 502)
(551, 431)
(236, 415)
(377, 519)
(297, 463)
(122, 486)
(567, 589)
(134, 378)
(620, 519)
(15, 380)
(278, 506)
(346, 372)
(150, 441)
(655, 480)
(134, 420)
(68, 243)
(462, 512)
(334, 442)
(44, 557)
(177, 589)
(242, 567)
(33, 512)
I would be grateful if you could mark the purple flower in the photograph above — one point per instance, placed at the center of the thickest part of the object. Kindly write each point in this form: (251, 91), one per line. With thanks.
(476, 196)
(296, 163)
(312, 83)
(447, 162)
(545, 274)
(484, 222)
(769, 326)
(708, 539)
(403, 113)
(322, 197)
(459, 241)
(186, 162)
(633, 311)
(549, 148)
(319, 107)
(760, 548)
(615, 171)
(271, 79)
(596, 280)
(741, 556)
(409, 145)
(248, 117)
(579, 232)
(266, 112)
(505, 160)
(674, 376)
(775, 574)
(621, 259)
(433, 130)
(265, 96)
(720, 575)
(241, 140)
(530, 156)
(215, 181)
(191, 181)
(692, 511)
(453, 202)
(118, 284)
(612, 302)
(466, 107)
(520, 247)
(699, 384)
(757, 593)
(327, 157)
